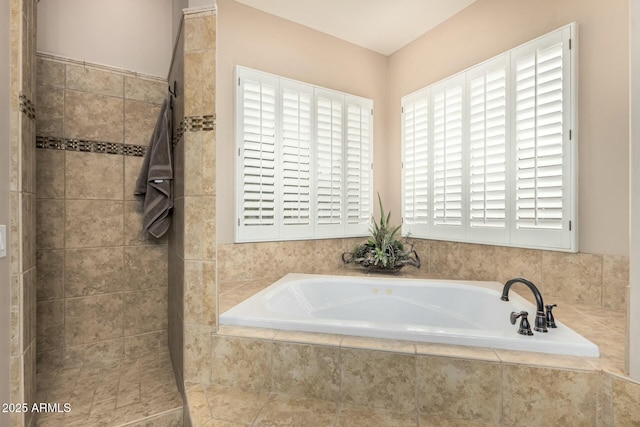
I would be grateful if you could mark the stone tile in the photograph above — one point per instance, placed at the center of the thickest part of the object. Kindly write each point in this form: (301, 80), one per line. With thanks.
(396, 346)
(194, 159)
(197, 353)
(517, 262)
(199, 70)
(92, 319)
(457, 351)
(576, 278)
(209, 294)
(306, 371)
(178, 169)
(604, 400)
(234, 405)
(50, 174)
(50, 325)
(29, 232)
(378, 379)
(93, 117)
(626, 395)
(193, 228)
(209, 163)
(93, 271)
(146, 267)
(307, 338)
(50, 224)
(567, 397)
(458, 388)
(274, 259)
(361, 416)
(199, 33)
(429, 421)
(248, 332)
(93, 80)
(444, 259)
(50, 73)
(28, 156)
(548, 360)
(477, 262)
(615, 278)
(296, 411)
(198, 407)
(134, 234)
(50, 117)
(144, 311)
(91, 223)
(50, 274)
(147, 90)
(232, 265)
(328, 255)
(14, 152)
(242, 363)
(158, 404)
(139, 121)
(132, 167)
(104, 182)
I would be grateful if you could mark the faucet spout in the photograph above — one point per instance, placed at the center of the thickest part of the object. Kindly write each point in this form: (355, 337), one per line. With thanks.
(540, 322)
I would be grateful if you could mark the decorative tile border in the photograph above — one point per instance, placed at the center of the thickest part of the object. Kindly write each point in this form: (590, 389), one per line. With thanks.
(52, 143)
(194, 124)
(27, 107)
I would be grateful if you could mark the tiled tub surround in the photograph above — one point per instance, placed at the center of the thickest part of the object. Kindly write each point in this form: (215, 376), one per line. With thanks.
(264, 377)
(102, 283)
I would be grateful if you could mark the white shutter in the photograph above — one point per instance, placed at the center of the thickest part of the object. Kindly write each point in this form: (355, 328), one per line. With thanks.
(257, 130)
(448, 120)
(329, 164)
(295, 160)
(543, 158)
(359, 173)
(487, 134)
(415, 165)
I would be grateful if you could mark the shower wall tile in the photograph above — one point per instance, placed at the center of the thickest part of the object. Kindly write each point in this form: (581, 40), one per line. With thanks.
(50, 274)
(94, 117)
(193, 158)
(105, 182)
(209, 163)
(50, 335)
(193, 229)
(564, 396)
(572, 277)
(199, 33)
(50, 117)
(209, 228)
(626, 395)
(615, 278)
(209, 294)
(145, 311)
(359, 416)
(139, 121)
(458, 388)
(146, 266)
(199, 87)
(86, 79)
(106, 350)
(50, 174)
(379, 379)
(146, 90)
(178, 169)
(306, 371)
(193, 292)
(28, 156)
(138, 345)
(132, 167)
(92, 223)
(93, 271)
(50, 73)
(134, 234)
(92, 319)
(197, 353)
(28, 231)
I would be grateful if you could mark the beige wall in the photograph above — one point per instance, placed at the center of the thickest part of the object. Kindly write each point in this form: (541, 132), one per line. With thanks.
(489, 27)
(264, 42)
(5, 268)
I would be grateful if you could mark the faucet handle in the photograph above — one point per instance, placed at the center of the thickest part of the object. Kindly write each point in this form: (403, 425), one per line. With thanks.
(551, 321)
(525, 326)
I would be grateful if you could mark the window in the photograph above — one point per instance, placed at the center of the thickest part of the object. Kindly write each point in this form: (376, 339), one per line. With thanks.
(489, 155)
(305, 157)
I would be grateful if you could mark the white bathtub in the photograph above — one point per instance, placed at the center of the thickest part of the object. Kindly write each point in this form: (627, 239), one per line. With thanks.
(438, 311)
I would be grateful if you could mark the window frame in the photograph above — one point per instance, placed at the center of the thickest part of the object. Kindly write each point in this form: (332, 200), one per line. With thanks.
(314, 230)
(563, 239)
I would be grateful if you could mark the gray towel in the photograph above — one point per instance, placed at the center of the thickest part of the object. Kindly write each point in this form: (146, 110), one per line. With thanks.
(154, 185)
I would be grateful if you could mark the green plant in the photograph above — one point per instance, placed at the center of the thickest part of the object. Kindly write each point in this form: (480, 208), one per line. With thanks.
(383, 250)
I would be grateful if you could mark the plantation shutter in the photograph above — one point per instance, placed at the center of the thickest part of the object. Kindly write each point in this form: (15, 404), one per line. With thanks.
(257, 128)
(541, 136)
(329, 164)
(295, 165)
(487, 178)
(447, 101)
(415, 172)
(359, 173)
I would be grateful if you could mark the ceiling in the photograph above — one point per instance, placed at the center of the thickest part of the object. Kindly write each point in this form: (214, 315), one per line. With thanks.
(383, 26)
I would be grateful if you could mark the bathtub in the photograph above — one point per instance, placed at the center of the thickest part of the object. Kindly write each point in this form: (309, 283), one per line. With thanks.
(437, 311)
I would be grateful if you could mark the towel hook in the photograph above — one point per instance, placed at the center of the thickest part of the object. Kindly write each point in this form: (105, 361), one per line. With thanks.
(174, 92)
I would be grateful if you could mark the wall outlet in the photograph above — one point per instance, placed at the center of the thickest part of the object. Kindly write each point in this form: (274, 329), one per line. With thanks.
(3, 241)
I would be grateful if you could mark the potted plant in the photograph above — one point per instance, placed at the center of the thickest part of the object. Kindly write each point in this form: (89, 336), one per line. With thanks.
(383, 251)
